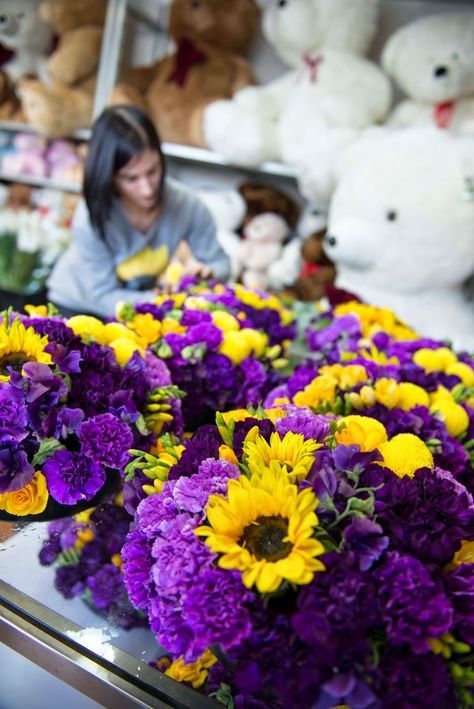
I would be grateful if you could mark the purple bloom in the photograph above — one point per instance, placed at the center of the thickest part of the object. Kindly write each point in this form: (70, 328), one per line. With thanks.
(72, 477)
(13, 413)
(365, 538)
(215, 609)
(69, 581)
(106, 586)
(305, 422)
(191, 494)
(414, 607)
(106, 440)
(137, 564)
(205, 444)
(15, 470)
(459, 586)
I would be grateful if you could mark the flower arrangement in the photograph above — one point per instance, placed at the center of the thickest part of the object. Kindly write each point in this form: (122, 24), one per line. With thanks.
(214, 350)
(410, 385)
(71, 407)
(85, 552)
(297, 559)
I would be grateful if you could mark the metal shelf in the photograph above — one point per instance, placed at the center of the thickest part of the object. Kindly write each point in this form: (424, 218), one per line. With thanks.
(41, 182)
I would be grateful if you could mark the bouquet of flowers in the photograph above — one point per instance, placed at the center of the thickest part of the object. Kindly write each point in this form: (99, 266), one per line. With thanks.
(85, 552)
(411, 385)
(297, 559)
(71, 408)
(213, 349)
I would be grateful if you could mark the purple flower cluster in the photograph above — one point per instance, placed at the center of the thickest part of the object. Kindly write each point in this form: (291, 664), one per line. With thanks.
(87, 569)
(75, 419)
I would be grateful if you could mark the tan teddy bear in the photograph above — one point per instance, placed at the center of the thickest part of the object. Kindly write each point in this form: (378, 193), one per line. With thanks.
(65, 103)
(211, 37)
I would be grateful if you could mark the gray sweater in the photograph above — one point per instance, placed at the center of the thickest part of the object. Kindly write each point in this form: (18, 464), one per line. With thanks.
(84, 277)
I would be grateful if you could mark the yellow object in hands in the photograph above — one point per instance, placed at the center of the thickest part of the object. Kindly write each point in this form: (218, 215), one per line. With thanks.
(147, 262)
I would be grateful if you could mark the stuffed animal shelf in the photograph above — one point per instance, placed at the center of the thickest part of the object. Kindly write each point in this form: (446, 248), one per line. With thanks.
(64, 102)
(401, 228)
(308, 116)
(208, 63)
(432, 61)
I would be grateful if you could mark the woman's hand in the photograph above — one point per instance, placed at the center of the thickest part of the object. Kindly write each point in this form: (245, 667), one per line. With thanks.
(196, 268)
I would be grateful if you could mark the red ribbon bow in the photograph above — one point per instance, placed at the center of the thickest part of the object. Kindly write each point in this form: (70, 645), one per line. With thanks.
(313, 65)
(443, 114)
(187, 56)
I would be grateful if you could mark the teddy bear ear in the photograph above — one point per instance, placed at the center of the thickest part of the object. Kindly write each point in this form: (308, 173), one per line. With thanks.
(391, 51)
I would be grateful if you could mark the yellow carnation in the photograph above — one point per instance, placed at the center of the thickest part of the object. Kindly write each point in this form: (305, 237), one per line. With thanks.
(366, 432)
(31, 499)
(405, 453)
(454, 416)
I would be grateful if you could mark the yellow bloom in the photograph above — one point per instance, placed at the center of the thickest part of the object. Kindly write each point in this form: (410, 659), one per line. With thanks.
(405, 453)
(464, 555)
(264, 528)
(224, 321)
(19, 345)
(364, 431)
(124, 349)
(454, 416)
(235, 346)
(374, 319)
(31, 499)
(441, 394)
(236, 415)
(463, 371)
(172, 326)
(291, 455)
(411, 395)
(116, 560)
(346, 376)
(226, 453)
(321, 391)
(257, 341)
(275, 413)
(147, 329)
(386, 392)
(40, 311)
(193, 673)
(434, 360)
(83, 537)
(88, 327)
(117, 330)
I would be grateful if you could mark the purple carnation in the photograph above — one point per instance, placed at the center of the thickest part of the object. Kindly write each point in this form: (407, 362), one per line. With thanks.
(137, 563)
(304, 421)
(106, 586)
(204, 444)
(157, 373)
(459, 586)
(72, 477)
(414, 607)
(215, 609)
(191, 494)
(13, 413)
(107, 440)
(70, 581)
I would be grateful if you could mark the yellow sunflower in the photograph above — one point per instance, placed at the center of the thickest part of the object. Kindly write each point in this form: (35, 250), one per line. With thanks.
(291, 455)
(264, 528)
(20, 344)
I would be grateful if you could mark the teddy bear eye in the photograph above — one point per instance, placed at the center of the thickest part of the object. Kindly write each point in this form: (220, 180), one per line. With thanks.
(195, 3)
(281, 3)
(315, 212)
(391, 215)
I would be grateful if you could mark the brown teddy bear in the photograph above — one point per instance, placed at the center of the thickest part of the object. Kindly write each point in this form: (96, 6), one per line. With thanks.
(211, 37)
(318, 272)
(65, 104)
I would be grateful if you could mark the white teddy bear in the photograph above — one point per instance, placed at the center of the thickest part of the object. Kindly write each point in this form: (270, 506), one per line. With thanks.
(432, 62)
(261, 246)
(401, 227)
(308, 116)
(23, 31)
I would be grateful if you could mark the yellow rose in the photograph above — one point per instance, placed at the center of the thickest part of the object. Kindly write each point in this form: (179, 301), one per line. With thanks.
(31, 499)
(366, 432)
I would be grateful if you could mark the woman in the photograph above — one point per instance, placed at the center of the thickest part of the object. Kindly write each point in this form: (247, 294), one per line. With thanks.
(130, 222)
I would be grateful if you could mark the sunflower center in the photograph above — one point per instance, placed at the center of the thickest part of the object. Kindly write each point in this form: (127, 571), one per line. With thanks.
(15, 360)
(264, 538)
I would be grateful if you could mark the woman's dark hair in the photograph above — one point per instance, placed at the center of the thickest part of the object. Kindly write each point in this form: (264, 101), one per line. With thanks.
(118, 134)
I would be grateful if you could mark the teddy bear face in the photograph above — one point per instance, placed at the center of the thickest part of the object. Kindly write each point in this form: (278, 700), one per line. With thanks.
(20, 27)
(230, 25)
(296, 27)
(399, 219)
(431, 59)
(268, 227)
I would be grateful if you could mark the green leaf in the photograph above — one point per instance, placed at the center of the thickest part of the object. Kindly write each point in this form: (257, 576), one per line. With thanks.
(48, 446)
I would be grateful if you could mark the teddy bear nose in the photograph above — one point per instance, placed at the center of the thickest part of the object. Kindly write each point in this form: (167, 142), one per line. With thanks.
(440, 71)
(330, 240)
